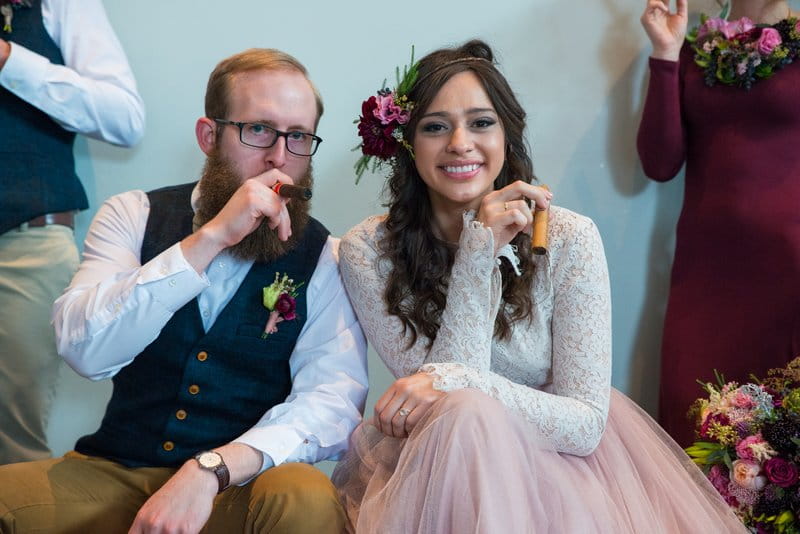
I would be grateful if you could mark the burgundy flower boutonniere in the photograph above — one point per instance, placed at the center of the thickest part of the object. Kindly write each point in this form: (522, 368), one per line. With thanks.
(279, 299)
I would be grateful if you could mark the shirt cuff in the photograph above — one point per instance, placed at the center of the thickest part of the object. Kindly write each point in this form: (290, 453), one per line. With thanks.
(23, 72)
(277, 442)
(171, 280)
(663, 65)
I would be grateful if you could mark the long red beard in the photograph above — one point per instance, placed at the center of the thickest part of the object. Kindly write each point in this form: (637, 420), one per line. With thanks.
(218, 182)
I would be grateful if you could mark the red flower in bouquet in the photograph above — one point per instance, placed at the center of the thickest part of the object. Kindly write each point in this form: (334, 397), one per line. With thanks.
(749, 447)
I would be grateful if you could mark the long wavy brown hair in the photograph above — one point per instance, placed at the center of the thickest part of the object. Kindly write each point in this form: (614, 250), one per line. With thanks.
(416, 291)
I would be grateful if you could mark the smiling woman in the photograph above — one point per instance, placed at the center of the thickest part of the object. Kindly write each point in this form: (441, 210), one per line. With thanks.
(501, 418)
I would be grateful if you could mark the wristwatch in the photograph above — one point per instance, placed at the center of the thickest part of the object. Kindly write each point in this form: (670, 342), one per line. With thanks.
(212, 461)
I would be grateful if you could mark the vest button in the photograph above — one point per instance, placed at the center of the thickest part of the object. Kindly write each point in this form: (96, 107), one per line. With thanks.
(194, 389)
(202, 355)
(168, 446)
(181, 414)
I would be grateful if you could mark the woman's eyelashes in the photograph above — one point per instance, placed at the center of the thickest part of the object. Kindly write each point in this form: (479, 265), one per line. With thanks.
(478, 124)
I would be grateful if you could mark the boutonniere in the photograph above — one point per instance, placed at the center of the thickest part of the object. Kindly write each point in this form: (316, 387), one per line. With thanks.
(7, 10)
(279, 299)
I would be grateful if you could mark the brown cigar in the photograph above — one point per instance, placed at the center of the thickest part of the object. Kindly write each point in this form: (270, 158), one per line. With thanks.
(539, 231)
(292, 191)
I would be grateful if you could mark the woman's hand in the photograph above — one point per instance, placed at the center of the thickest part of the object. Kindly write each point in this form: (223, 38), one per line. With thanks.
(507, 213)
(666, 30)
(405, 402)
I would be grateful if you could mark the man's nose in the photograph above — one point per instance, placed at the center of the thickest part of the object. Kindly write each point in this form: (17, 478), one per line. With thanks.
(276, 154)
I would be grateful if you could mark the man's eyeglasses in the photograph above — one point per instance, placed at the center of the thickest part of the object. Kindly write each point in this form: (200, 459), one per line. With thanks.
(259, 135)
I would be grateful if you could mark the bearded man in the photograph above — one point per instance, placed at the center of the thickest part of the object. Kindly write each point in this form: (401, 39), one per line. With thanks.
(218, 310)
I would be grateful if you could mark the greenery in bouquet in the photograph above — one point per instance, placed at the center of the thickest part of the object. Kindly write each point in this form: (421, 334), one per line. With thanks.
(749, 447)
(740, 52)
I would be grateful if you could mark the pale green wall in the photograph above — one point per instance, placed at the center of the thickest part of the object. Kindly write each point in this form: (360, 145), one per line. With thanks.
(579, 68)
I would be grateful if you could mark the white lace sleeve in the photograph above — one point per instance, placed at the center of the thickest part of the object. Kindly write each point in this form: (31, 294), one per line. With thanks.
(568, 344)
(467, 320)
(572, 415)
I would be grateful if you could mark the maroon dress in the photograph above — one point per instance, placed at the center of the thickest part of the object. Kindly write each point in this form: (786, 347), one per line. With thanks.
(735, 288)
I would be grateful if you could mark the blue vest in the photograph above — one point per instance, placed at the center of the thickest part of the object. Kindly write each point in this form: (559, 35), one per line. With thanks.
(37, 167)
(190, 390)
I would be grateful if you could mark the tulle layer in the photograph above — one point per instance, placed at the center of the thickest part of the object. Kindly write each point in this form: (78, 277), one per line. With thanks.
(472, 466)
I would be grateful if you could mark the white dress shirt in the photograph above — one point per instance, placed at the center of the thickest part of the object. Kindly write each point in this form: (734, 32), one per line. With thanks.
(114, 307)
(94, 92)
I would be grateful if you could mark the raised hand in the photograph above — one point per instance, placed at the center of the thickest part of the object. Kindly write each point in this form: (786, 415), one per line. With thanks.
(506, 211)
(249, 205)
(666, 29)
(253, 202)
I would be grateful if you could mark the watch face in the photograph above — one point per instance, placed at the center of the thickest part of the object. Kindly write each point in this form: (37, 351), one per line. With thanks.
(209, 460)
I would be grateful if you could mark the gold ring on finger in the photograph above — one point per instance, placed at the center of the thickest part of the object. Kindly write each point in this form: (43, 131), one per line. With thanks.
(505, 206)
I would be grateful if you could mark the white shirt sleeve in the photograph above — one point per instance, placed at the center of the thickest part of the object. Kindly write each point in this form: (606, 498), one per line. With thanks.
(94, 93)
(329, 378)
(115, 306)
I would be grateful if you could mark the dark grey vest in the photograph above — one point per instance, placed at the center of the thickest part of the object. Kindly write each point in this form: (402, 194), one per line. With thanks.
(37, 168)
(190, 390)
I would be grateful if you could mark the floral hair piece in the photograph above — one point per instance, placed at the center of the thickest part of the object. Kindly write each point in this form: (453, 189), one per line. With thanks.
(383, 121)
(739, 52)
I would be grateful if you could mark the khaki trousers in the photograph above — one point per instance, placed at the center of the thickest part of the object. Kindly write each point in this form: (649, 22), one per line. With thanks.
(36, 264)
(81, 494)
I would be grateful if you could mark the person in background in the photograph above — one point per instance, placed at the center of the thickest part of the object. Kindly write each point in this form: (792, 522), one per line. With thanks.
(734, 301)
(62, 72)
(218, 310)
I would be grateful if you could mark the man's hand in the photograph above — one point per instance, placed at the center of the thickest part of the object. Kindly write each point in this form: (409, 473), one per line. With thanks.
(5, 51)
(249, 205)
(239, 217)
(182, 505)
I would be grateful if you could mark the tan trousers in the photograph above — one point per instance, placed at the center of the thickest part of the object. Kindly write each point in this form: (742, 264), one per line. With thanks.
(81, 494)
(35, 266)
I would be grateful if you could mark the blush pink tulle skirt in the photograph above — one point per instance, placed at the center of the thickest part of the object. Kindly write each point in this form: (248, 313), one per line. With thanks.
(472, 466)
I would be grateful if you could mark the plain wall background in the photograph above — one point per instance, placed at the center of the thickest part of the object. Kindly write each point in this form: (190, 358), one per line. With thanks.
(579, 69)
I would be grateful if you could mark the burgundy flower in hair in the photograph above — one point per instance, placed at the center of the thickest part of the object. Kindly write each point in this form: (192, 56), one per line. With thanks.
(381, 125)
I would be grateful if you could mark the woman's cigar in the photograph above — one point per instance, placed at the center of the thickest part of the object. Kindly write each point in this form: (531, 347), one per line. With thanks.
(292, 191)
(539, 231)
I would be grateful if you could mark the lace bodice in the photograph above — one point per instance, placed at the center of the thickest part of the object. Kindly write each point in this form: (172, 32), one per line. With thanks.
(555, 371)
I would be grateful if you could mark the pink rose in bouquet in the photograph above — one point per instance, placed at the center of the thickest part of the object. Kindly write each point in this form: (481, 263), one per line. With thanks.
(769, 39)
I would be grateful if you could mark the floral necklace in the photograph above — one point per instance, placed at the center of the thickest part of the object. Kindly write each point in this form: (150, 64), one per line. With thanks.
(740, 52)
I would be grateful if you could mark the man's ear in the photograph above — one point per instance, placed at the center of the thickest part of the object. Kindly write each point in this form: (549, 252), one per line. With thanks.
(206, 131)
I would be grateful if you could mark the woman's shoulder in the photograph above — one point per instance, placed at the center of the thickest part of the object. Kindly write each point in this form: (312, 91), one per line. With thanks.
(364, 236)
(568, 230)
(565, 223)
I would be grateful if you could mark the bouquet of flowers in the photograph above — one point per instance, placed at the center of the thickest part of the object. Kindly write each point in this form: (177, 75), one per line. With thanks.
(740, 52)
(749, 447)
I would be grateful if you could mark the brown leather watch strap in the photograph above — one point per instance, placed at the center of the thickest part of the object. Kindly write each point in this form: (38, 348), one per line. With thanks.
(64, 218)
